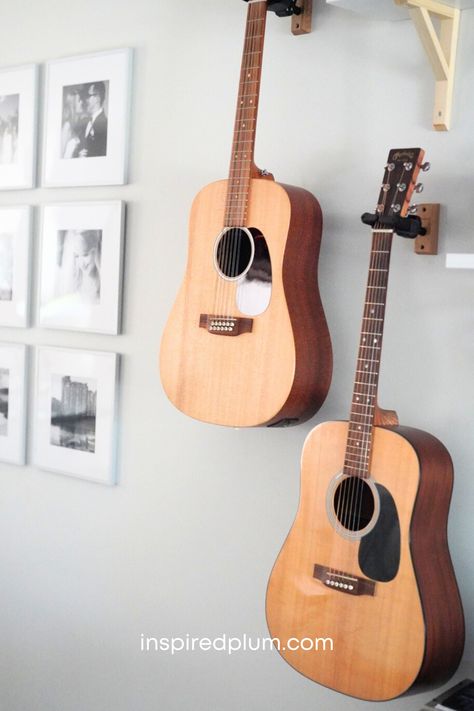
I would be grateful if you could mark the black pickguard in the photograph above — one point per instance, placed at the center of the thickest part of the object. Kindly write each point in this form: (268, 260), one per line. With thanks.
(379, 550)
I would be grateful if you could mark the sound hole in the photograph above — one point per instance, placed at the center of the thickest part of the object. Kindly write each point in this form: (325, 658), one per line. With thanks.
(354, 503)
(234, 252)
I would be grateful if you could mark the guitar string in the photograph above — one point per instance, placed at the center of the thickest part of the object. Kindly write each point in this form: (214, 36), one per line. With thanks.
(381, 241)
(371, 357)
(353, 489)
(222, 250)
(255, 48)
(387, 240)
(366, 406)
(237, 169)
(370, 380)
(375, 283)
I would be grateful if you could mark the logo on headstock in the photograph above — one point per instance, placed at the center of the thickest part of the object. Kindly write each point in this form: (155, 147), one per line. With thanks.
(403, 155)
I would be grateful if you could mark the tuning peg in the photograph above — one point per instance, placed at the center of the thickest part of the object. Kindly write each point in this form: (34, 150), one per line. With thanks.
(396, 208)
(408, 165)
(390, 167)
(425, 167)
(418, 188)
(412, 209)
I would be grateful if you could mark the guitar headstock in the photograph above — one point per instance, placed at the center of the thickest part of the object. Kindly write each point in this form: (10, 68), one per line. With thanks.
(399, 181)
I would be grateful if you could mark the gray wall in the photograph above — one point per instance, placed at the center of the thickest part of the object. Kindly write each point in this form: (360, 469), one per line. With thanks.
(185, 543)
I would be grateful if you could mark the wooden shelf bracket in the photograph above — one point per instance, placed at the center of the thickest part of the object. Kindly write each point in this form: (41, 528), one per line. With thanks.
(441, 51)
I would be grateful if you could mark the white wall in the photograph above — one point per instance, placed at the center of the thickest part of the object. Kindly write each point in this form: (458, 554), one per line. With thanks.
(185, 543)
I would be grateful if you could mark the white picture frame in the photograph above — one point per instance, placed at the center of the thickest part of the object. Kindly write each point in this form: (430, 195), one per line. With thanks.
(87, 119)
(13, 362)
(18, 122)
(81, 264)
(15, 248)
(76, 413)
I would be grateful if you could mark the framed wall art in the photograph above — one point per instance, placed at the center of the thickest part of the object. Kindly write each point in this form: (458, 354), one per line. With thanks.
(75, 411)
(12, 402)
(81, 266)
(15, 243)
(87, 117)
(18, 113)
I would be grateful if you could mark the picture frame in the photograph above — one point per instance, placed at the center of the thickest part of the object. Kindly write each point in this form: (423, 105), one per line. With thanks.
(87, 119)
(76, 413)
(15, 259)
(18, 124)
(13, 365)
(81, 264)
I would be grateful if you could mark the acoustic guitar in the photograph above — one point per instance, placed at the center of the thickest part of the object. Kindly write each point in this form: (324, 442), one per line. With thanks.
(365, 568)
(247, 342)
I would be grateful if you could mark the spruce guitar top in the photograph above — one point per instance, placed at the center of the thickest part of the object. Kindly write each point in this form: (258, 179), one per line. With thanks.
(366, 562)
(247, 341)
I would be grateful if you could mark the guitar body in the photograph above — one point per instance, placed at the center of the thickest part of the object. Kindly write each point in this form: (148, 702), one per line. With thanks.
(278, 372)
(406, 626)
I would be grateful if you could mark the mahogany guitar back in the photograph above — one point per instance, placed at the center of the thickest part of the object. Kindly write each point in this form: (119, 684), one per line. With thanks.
(279, 371)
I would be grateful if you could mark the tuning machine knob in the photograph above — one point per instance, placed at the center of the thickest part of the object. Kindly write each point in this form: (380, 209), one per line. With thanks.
(412, 209)
(425, 166)
(419, 188)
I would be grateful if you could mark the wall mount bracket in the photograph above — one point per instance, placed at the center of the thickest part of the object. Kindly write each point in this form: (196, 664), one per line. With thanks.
(300, 11)
(441, 50)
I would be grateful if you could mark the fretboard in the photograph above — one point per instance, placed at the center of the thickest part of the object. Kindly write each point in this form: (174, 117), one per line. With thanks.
(246, 116)
(364, 399)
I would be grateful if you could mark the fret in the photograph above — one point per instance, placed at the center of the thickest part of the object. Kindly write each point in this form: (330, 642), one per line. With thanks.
(376, 287)
(358, 449)
(353, 459)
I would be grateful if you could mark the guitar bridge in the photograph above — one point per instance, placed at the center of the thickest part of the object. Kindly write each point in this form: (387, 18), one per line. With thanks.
(225, 325)
(344, 582)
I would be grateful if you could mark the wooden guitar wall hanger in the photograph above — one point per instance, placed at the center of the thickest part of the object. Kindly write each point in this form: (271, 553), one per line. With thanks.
(247, 343)
(299, 10)
(366, 563)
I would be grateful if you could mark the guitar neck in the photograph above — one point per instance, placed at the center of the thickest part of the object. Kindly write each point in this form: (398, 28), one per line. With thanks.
(241, 163)
(364, 398)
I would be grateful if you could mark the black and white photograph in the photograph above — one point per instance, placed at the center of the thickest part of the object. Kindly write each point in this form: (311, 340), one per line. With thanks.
(18, 113)
(73, 412)
(4, 395)
(78, 265)
(9, 107)
(76, 413)
(12, 402)
(81, 266)
(84, 120)
(15, 238)
(6, 266)
(87, 119)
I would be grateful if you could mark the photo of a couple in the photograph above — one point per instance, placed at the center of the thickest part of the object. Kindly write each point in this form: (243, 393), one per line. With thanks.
(84, 122)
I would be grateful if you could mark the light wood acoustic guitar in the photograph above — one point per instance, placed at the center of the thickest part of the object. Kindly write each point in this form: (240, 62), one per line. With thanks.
(366, 564)
(247, 341)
